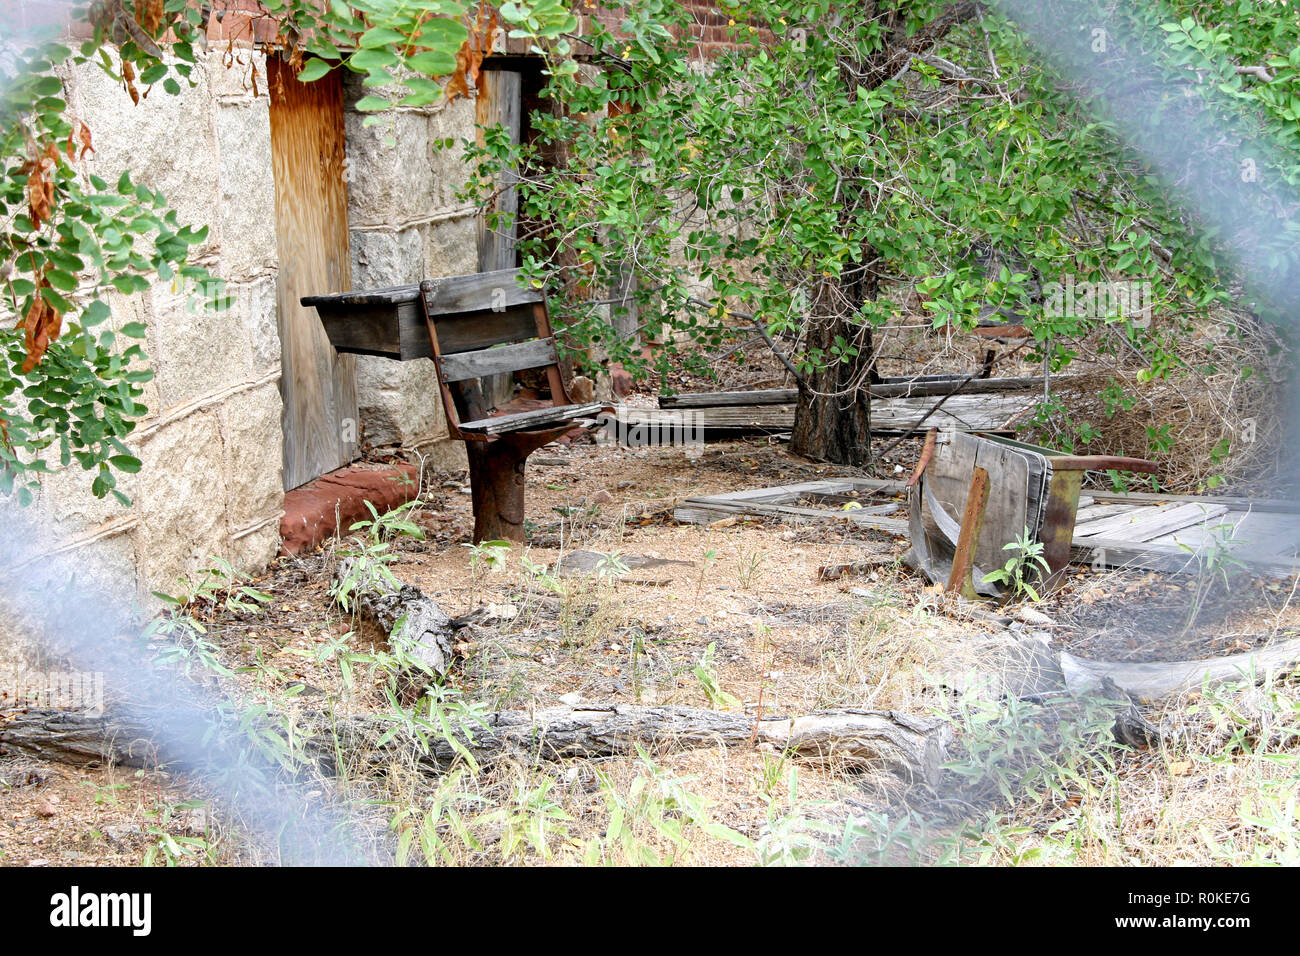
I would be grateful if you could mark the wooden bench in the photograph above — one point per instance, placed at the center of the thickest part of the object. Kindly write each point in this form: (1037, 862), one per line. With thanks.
(1001, 489)
(473, 327)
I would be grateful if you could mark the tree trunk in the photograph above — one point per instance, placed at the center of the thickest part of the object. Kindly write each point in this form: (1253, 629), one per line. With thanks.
(832, 420)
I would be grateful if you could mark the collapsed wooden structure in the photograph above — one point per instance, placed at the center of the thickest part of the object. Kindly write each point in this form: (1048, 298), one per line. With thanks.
(1158, 532)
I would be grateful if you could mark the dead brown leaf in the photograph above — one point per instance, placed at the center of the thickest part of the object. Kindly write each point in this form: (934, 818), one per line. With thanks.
(42, 325)
(149, 14)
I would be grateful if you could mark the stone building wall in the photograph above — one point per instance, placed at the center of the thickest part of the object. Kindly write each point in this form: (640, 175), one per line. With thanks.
(406, 225)
(211, 442)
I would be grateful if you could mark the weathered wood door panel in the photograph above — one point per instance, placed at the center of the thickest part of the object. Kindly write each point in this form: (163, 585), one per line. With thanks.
(498, 104)
(311, 225)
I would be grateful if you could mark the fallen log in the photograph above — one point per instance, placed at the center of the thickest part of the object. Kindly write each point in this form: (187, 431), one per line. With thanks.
(412, 622)
(833, 572)
(911, 747)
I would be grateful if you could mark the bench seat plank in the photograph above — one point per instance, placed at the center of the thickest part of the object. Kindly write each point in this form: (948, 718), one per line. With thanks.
(527, 421)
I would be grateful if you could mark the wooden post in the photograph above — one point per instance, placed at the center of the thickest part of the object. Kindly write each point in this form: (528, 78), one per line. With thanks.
(496, 481)
(1058, 523)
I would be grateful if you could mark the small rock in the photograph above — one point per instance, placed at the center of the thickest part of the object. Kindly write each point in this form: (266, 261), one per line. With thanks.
(582, 389)
(602, 497)
(620, 380)
(571, 700)
(702, 621)
(46, 808)
(501, 612)
(1030, 616)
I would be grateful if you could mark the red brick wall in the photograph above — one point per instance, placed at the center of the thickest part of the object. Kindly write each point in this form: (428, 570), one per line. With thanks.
(710, 27)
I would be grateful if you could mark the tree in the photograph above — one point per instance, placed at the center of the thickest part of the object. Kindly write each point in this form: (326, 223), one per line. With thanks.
(843, 155)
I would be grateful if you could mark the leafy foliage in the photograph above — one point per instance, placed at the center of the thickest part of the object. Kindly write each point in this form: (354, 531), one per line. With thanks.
(842, 162)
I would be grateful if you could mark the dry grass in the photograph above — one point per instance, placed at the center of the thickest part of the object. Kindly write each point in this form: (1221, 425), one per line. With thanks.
(1029, 789)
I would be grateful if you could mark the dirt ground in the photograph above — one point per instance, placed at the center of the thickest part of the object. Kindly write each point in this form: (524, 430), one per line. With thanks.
(731, 616)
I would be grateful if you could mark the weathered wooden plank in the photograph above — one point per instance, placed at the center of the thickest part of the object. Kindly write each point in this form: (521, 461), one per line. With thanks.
(1235, 503)
(1256, 533)
(498, 106)
(784, 494)
(1151, 556)
(476, 292)
(317, 385)
(965, 413)
(1096, 512)
(530, 420)
(708, 510)
(762, 396)
(902, 388)
(397, 329)
(1008, 511)
(748, 418)
(503, 358)
(481, 292)
(1168, 520)
(961, 412)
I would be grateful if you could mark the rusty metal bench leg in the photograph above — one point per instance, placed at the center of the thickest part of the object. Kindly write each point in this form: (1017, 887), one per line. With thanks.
(496, 481)
(1057, 532)
(968, 541)
(1058, 524)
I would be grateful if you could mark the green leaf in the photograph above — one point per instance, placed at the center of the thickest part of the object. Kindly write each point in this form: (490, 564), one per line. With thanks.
(153, 74)
(432, 63)
(377, 37)
(371, 61)
(314, 69)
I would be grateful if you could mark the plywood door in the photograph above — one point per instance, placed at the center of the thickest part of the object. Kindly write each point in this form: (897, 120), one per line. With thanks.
(311, 226)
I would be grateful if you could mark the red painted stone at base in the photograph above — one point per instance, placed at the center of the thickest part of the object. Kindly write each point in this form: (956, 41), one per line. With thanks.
(314, 512)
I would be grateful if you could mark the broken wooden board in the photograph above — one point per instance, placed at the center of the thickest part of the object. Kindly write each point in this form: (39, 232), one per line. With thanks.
(1179, 533)
(935, 386)
(876, 512)
(965, 413)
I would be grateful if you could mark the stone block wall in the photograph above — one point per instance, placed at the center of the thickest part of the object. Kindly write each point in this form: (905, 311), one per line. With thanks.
(211, 442)
(407, 225)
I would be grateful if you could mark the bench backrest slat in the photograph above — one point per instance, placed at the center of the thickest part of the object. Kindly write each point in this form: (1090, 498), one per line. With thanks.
(470, 331)
(480, 292)
(505, 358)
(467, 314)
